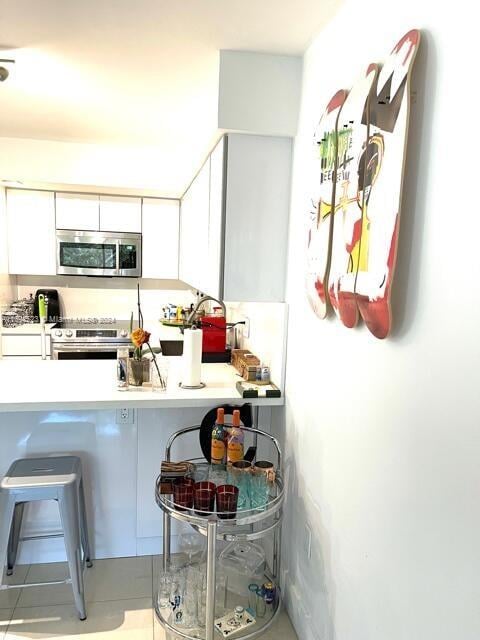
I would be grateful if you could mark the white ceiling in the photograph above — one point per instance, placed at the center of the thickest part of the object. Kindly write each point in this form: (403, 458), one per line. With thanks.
(140, 73)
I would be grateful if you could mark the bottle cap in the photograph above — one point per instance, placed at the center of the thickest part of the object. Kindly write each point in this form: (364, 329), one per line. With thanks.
(220, 415)
(236, 418)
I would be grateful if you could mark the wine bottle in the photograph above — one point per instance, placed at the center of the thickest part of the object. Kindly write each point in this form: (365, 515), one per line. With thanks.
(219, 449)
(235, 439)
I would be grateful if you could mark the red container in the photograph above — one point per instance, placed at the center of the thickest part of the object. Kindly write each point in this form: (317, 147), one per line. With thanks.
(214, 334)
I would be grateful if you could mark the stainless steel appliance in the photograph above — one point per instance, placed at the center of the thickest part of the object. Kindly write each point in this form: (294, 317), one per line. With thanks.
(93, 253)
(89, 340)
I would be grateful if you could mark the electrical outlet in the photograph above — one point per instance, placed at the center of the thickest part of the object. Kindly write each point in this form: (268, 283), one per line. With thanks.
(308, 542)
(246, 327)
(124, 416)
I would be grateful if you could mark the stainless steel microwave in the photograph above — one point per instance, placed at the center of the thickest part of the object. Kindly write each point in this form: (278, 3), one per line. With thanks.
(93, 253)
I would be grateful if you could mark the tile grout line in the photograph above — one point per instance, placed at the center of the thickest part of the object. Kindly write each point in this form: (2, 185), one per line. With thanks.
(72, 604)
(153, 607)
(20, 591)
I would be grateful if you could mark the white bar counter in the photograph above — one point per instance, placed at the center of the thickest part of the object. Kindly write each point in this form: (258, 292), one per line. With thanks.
(44, 385)
(60, 407)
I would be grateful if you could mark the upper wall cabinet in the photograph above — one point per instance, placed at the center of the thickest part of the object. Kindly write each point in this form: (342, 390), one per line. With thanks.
(77, 211)
(160, 222)
(119, 213)
(194, 245)
(31, 232)
(240, 253)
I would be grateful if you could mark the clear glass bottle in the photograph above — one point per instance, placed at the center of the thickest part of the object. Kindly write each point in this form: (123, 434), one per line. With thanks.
(235, 446)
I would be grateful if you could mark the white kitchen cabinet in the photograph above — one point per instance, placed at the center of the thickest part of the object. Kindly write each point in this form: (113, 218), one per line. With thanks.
(215, 256)
(194, 230)
(31, 232)
(77, 211)
(160, 236)
(118, 213)
(24, 345)
(240, 250)
(257, 207)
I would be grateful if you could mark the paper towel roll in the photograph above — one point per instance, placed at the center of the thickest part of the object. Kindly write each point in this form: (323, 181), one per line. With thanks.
(192, 357)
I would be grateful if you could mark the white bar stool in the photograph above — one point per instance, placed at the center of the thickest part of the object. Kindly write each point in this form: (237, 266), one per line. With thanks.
(56, 478)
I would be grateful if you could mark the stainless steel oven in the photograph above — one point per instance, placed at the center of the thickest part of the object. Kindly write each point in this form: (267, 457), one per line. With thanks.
(81, 341)
(92, 253)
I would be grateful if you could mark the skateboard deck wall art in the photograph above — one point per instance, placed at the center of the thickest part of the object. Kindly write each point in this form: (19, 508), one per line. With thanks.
(366, 179)
(321, 220)
(348, 218)
(385, 158)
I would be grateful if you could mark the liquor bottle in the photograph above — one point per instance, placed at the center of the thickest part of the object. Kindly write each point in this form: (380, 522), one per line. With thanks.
(219, 449)
(235, 439)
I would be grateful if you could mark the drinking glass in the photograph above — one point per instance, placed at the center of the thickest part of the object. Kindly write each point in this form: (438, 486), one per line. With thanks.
(263, 474)
(164, 590)
(159, 377)
(252, 598)
(261, 608)
(183, 493)
(240, 476)
(227, 497)
(216, 475)
(204, 497)
(190, 607)
(259, 491)
(191, 544)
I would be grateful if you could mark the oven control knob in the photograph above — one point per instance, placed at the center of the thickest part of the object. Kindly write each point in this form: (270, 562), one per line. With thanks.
(69, 333)
(123, 333)
(58, 333)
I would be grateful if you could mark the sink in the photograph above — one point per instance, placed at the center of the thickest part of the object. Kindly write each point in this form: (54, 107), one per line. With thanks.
(175, 348)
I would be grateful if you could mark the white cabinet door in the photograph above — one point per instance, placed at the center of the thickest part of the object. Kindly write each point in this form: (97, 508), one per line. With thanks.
(214, 275)
(77, 211)
(31, 232)
(118, 213)
(160, 223)
(24, 345)
(194, 231)
(187, 240)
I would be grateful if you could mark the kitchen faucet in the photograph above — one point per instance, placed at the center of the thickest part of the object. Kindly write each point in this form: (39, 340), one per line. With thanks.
(200, 302)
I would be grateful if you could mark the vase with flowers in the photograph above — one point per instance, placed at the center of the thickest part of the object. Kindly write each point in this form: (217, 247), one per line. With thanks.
(139, 366)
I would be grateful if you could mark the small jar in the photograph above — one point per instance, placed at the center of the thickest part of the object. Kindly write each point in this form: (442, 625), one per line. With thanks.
(239, 611)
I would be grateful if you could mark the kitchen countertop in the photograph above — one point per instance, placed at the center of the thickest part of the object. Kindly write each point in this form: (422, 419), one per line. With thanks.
(91, 384)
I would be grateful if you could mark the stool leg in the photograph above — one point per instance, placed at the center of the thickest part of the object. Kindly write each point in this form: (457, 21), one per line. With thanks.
(68, 502)
(7, 507)
(84, 527)
(14, 536)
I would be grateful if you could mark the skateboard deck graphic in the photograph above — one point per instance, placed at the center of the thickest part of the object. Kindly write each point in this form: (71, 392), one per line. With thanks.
(352, 134)
(321, 222)
(382, 186)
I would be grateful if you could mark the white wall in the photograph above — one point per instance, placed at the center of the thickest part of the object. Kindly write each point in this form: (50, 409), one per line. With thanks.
(108, 297)
(382, 437)
(259, 92)
(7, 283)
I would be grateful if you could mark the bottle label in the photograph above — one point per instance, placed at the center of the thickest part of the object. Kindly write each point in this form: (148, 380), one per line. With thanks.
(235, 451)
(218, 451)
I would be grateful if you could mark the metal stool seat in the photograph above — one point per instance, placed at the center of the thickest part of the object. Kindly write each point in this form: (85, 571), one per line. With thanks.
(56, 478)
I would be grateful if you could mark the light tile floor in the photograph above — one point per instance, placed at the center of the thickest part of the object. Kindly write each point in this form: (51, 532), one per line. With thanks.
(119, 595)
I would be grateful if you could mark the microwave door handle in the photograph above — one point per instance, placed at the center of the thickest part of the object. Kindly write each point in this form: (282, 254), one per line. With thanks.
(117, 270)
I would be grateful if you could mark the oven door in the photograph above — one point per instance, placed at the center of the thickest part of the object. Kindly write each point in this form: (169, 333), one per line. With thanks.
(87, 253)
(86, 351)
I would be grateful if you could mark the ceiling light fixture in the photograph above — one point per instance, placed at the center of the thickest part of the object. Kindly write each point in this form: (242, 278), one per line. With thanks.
(4, 72)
